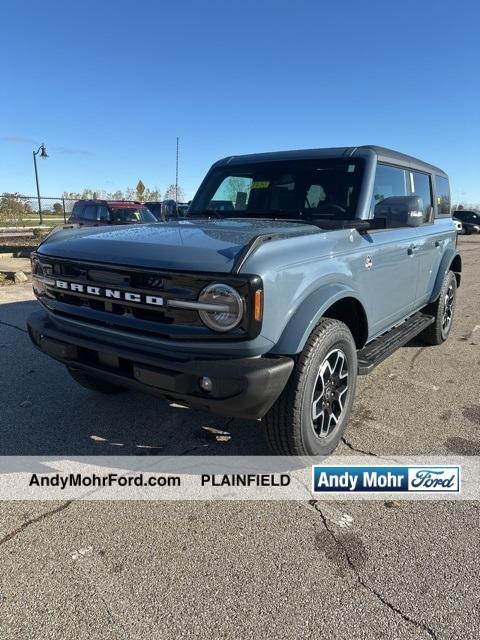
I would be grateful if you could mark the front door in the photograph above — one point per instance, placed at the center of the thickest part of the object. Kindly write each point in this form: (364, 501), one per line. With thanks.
(387, 272)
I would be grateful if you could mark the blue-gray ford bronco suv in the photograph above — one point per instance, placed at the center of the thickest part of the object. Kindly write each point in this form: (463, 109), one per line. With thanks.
(291, 273)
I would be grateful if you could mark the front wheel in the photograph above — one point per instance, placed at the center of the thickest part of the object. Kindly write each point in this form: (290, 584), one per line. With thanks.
(313, 410)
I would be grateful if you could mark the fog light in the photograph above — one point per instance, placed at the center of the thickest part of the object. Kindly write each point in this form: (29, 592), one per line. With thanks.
(206, 383)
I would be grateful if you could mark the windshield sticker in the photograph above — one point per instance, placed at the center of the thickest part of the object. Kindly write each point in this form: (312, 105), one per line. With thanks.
(260, 184)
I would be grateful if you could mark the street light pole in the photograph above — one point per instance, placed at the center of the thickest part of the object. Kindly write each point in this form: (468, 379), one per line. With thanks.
(176, 178)
(43, 154)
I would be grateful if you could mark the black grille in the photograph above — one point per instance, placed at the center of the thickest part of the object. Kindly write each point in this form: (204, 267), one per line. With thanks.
(138, 316)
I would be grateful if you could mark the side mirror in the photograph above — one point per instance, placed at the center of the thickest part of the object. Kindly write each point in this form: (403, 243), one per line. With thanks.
(400, 211)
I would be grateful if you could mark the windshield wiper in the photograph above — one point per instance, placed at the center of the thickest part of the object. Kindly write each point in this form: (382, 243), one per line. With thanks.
(283, 216)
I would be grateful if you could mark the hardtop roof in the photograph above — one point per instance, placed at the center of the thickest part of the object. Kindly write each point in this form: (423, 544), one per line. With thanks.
(383, 155)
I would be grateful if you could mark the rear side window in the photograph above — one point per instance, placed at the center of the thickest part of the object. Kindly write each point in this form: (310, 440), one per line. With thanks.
(422, 189)
(102, 213)
(443, 196)
(389, 181)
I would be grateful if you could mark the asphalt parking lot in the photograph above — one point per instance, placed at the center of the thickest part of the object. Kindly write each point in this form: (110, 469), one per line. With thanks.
(235, 569)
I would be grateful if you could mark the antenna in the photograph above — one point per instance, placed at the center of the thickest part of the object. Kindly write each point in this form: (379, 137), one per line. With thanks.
(176, 177)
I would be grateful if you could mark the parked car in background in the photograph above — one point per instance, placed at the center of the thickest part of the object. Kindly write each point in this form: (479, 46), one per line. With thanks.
(155, 208)
(182, 208)
(165, 210)
(458, 225)
(470, 220)
(96, 213)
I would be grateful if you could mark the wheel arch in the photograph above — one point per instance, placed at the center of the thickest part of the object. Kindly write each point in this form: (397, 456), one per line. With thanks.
(351, 312)
(338, 302)
(451, 261)
(456, 267)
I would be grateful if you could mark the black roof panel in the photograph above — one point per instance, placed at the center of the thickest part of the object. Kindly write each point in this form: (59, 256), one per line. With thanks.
(383, 155)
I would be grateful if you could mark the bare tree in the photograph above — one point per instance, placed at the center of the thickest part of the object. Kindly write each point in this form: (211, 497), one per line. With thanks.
(170, 193)
(152, 195)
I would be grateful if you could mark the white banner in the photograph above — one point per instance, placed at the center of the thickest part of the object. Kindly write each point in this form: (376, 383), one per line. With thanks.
(239, 478)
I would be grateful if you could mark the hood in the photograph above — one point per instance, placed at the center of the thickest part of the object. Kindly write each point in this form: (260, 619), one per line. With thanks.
(186, 245)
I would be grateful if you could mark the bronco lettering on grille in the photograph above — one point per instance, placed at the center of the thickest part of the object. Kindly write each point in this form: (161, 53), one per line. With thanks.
(103, 292)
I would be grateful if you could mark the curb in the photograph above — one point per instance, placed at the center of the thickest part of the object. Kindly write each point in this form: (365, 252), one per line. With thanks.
(16, 276)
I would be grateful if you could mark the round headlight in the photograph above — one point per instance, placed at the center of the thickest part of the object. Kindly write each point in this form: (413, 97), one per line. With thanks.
(223, 307)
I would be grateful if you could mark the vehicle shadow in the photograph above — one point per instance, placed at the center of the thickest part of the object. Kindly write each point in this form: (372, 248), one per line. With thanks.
(45, 412)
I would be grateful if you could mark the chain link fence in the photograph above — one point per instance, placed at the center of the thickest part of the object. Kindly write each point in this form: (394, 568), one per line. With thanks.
(21, 212)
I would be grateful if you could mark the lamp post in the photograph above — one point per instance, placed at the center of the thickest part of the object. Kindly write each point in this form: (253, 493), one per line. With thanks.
(176, 179)
(43, 154)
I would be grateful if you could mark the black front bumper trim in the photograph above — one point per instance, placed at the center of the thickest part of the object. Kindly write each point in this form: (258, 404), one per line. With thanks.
(242, 387)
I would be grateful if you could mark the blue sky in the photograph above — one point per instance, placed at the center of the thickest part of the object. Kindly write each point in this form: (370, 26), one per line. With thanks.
(108, 85)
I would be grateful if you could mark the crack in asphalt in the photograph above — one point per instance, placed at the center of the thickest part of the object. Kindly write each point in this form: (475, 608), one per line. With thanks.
(415, 356)
(12, 326)
(203, 445)
(44, 516)
(356, 450)
(367, 453)
(28, 523)
(351, 565)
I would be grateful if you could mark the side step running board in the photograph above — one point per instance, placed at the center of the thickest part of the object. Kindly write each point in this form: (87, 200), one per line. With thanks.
(380, 348)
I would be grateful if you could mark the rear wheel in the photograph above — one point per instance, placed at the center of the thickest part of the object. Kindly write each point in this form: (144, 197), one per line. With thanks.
(93, 383)
(312, 413)
(443, 310)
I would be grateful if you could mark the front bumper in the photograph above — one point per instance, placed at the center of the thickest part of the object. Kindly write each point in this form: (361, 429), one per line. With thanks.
(242, 387)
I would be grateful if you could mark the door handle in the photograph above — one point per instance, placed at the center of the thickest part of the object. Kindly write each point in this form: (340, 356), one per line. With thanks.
(412, 248)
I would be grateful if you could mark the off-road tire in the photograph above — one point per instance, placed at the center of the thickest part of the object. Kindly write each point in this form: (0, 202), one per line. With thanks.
(437, 332)
(93, 383)
(289, 424)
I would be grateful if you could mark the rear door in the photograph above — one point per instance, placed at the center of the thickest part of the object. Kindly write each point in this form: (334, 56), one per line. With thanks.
(432, 238)
(388, 268)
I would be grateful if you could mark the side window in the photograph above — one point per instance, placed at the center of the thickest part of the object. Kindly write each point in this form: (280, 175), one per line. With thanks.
(443, 196)
(232, 195)
(389, 181)
(422, 189)
(315, 196)
(90, 212)
(102, 213)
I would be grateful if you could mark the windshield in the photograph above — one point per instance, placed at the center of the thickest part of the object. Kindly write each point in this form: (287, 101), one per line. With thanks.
(131, 214)
(314, 189)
